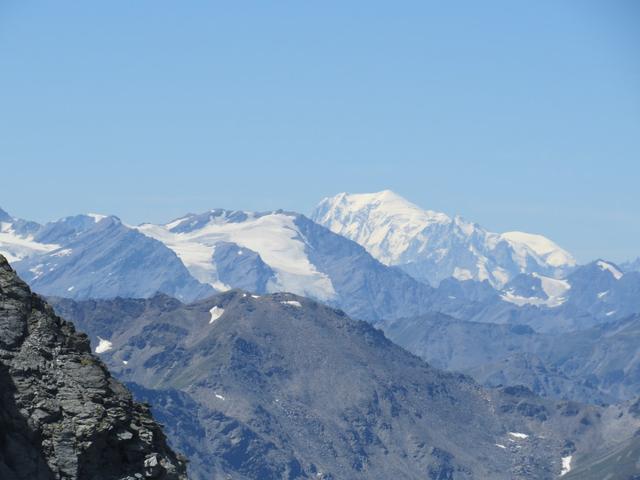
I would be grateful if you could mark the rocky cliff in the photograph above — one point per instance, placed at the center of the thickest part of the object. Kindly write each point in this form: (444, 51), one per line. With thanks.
(62, 416)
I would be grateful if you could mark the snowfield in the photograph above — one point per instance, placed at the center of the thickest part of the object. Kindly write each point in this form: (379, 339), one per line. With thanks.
(274, 236)
(433, 246)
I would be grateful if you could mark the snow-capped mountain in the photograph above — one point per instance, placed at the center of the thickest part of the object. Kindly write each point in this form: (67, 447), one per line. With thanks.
(285, 251)
(98, 256)
(432, 246)
(590, 295)
(94, 256)
(272, 241)
(17, 238)
(597, 287)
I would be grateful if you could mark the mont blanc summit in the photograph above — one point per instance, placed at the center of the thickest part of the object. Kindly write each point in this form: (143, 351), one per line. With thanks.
(432, 246)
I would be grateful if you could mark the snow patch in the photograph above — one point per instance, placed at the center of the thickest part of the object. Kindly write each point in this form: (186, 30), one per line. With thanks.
(608, 314)
(216, 312)
(96, 217)
(604, 266)
(602, 294)
(293, 303)
(220, 397)
(499, 445)
(566, 465)
(103, 345)
(554, 289)
(519, 435)
(16, 247)
(37, 271)
(65, 252)
(462, 274)
(70, 288)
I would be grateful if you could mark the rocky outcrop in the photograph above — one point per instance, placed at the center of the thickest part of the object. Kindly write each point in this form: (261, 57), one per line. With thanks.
(62, 416)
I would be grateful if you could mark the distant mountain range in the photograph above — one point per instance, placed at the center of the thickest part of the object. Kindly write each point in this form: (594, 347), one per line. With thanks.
(93, 256)
(332, 397)
(595, 365)
(431, 246)
(509, 278)
(279, 386)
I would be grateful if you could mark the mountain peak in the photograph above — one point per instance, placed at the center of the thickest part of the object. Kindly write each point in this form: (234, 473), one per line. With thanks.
(553, 254)
(382, 222)
(432, 246)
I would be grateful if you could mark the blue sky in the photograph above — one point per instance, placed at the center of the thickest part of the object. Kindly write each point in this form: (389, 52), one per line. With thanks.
(517, 115)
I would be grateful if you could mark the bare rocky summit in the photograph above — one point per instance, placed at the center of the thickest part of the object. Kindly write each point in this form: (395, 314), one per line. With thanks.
(62, 415)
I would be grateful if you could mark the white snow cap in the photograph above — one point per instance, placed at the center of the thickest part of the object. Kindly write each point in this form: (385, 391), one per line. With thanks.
(274, 236)
(97, 217)
(607, 267)
(553, 255)
(398, 232)
(383, 222)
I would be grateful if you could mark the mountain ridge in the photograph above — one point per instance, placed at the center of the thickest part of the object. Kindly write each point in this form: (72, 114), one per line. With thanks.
(432, 246)
(332, 398)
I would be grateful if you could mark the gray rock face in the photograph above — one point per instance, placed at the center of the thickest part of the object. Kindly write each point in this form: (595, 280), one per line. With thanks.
(62, 416)
(241, 267)
(282, 387)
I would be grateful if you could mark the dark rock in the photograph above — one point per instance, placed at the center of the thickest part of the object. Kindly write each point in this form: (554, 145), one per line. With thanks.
(61, 413)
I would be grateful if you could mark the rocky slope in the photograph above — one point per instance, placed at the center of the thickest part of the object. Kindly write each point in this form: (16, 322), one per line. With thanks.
(62, 416)
(596, 365)
(279, 386)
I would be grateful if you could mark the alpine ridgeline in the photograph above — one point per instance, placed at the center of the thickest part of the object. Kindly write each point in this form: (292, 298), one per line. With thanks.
(432, 246)
(94, 256)
(279, 386)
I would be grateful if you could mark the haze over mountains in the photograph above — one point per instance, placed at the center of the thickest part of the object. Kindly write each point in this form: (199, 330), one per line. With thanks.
(333, 398)
(377, 257)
